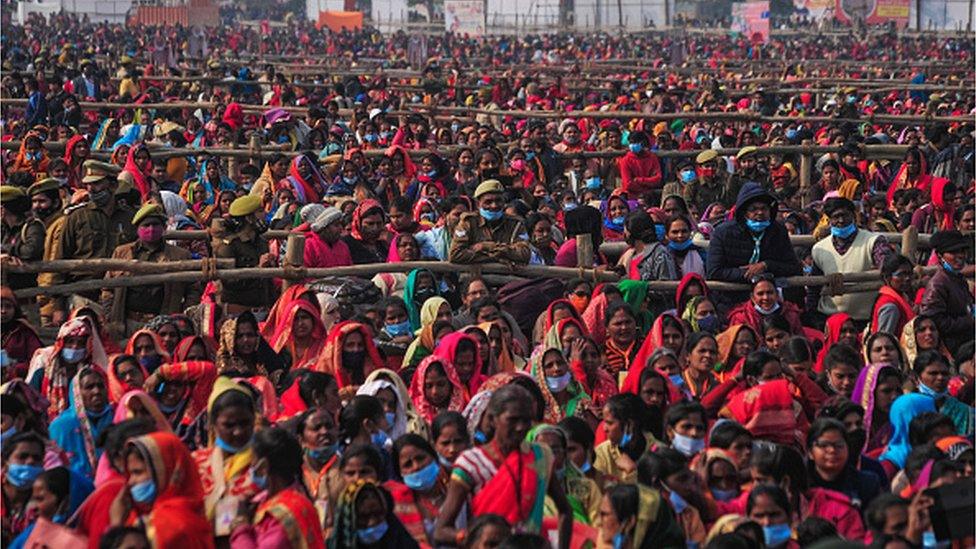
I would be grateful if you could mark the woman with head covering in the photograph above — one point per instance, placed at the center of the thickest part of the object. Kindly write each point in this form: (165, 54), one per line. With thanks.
(365, 241)
(137, 404)
(285, 518)
(148, 349)
(913, 174)
(720, 477)
(582, 492)
(922, 334)
(765, 301)
(19, 338)
(623, 341)
(556, 311)
(878, 385)
(306, 180)
(349, 354)
(435, 388)
(418, 499)
(60, 492)
(224, 465)
(734, 345)
(77, 428)
(840, 328)
(166, 492)
(614, 210)
(242, 351)
(138, 165)
(401, 410)
(76, 151)
(32, 157)
(480, 472)
(421, 285)
(53, 367)
(435, 317)
(300, 335)
(462, 350)
(636, 516)
(364, 517)
(551, 372)
(125, 374)
(904, 408)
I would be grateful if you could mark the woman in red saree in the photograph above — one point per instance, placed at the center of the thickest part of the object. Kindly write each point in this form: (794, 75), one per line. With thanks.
(140, 341)
(505, 476)
(173, 518)
(349, 354)
(462, 350)
(76, 151)
(435, 388)
(913, 174)
(668, 332)
(137, 167)
(124, 374)
(300, 333)
(840, 328)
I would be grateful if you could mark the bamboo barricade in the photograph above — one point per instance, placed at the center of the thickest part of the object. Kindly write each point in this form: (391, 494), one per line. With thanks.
(902, 120)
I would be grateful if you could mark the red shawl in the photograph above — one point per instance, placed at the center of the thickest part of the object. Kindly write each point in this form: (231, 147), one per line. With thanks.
(447, 350)
(427, 410)
(139, 177)
(357, 216)
(282, 337)
(888, 295)
(74, 172)
(653, 341)
(330, 359)
(831, 336)
(769, 412)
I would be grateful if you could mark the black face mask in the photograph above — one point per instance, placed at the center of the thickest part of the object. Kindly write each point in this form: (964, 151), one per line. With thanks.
(855, 442)
(424, 295)
(353, 360)
(100, 198)
(41, 213)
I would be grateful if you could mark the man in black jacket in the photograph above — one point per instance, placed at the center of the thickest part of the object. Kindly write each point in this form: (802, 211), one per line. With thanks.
(753, 243)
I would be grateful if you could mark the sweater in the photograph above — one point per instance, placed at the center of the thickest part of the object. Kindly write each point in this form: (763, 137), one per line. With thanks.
(639, 173)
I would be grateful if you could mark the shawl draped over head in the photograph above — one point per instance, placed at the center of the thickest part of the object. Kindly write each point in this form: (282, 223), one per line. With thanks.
(553, 412)
(408, 420)
(76, 431)
(427, 410)
(447, 349)
(365, 207)
(227, 359)
(140, 178)
(330, 359)
(653, 341)
(282, 338)
(130, 347)
(769, 411)
(595, 316)
(54, 385)
(117, 387)
(137, 403)
(410, 297)
(307, 190)
(475, 410)
(726, 347)
(903, 410)
(831, 337)
(176, 517)
(288, 296)
(867, 382)
(345, 527)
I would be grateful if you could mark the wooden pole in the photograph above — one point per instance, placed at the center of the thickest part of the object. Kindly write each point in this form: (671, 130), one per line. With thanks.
(806, 171)
(294, 255)
(584, 251)
(909, 243)
(104, 265)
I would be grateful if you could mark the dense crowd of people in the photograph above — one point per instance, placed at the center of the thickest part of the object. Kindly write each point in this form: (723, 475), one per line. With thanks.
(416, 407)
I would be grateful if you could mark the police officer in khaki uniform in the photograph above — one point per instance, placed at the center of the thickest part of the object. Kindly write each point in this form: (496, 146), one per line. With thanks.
(22, 235)
(490, 235)
(130, 308)
(91, 230)
(239, 237)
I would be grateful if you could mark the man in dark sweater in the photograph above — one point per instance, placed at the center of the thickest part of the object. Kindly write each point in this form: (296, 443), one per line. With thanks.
(947, 298)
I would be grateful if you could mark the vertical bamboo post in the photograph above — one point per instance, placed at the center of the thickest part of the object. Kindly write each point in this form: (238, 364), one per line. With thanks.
(806, 171)
(909, 243)
(584, 251)
(294, 255)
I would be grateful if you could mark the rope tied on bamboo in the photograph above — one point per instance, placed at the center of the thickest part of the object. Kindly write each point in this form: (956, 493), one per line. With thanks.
(294, 272)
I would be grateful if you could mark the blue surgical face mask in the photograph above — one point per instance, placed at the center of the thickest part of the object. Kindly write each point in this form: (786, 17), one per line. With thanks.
(455, 127)
(559, 383)
(322, 454)
(73, 356)
(480, 437)
(808, 269)
(570, 206)
(143, 492)
(948, 268)
(529, 155)
(724, 495)
(593, 183)
(619, 220)
(370, 138)
(676, 380)
(490, 215)
(926, 390)
(151, 362)
(444, 462)
(59, 518)
(348, 180)
(99, 414)
(766, 312)
(22, 475)
(688, 176)
(777, 534)
(618, 540)
(791, 134)
(636, 148)
(677, 501)
(680, 246)
(423, 479)
(587, 465)
(400, 329)
(372, 534)
(625, 439)
(687, 445)
(225, 446)
(261, 481)
(659, 231)
(709, 323)
(757, 226)
(843, 232)
(4, 436)
(380, 439)
(390, 419)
